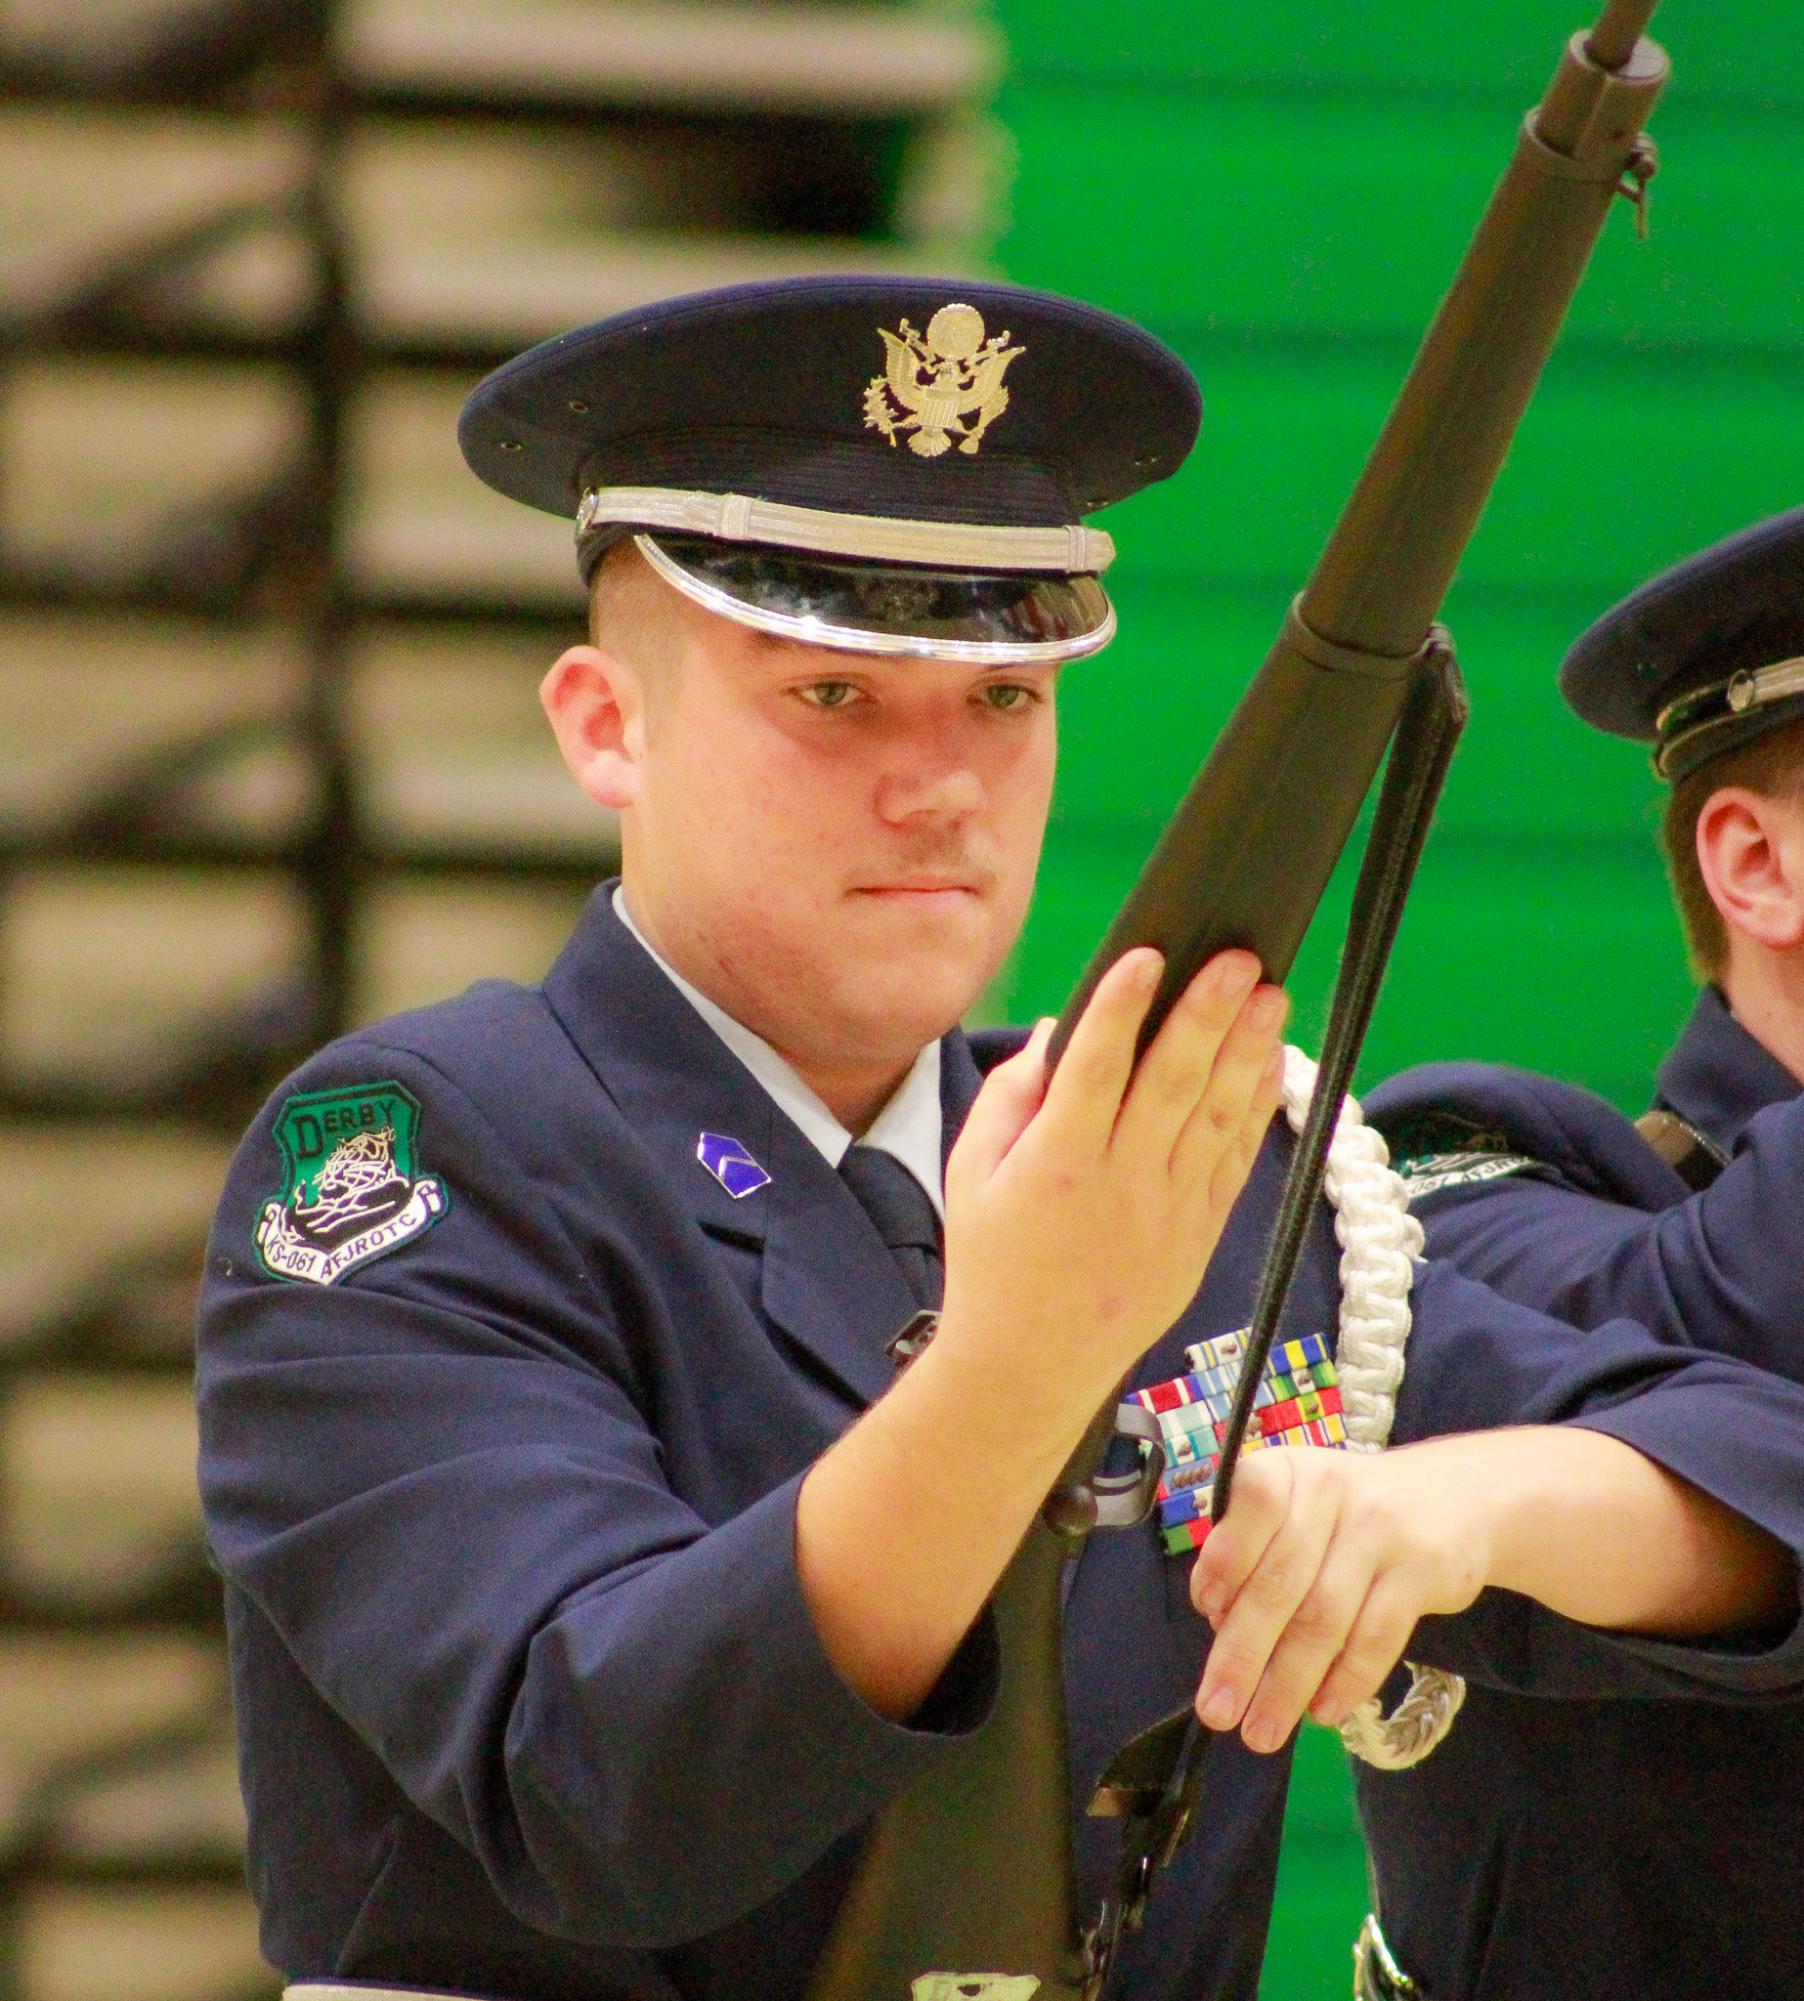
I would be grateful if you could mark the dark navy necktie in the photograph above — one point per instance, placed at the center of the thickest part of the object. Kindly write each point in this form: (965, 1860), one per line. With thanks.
(904, 1217)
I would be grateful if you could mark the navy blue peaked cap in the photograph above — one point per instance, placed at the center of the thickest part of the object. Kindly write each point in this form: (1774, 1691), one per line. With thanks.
(1705, 656)
(778, 392)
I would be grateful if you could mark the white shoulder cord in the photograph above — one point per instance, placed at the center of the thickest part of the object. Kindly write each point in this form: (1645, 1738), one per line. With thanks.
(1380, 1243)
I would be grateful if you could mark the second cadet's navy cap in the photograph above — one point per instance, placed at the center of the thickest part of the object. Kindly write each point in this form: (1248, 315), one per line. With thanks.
(888, 464)
(1705, 656)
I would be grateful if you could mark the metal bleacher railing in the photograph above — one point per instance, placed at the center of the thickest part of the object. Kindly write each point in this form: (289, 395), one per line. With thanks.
(270, 761)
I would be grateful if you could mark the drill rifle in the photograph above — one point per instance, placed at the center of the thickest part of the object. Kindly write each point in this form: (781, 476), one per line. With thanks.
(966, 1884)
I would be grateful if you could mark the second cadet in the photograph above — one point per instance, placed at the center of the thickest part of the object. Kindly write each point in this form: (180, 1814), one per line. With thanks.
(1624, 1850)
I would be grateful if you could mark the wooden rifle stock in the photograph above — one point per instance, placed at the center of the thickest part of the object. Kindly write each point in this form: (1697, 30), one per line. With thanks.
(968, 1875)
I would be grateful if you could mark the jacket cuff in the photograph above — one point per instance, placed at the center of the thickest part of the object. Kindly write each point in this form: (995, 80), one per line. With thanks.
(1754, 1473)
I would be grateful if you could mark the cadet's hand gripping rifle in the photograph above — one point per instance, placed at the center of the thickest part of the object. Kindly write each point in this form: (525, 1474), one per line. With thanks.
(968, 1875)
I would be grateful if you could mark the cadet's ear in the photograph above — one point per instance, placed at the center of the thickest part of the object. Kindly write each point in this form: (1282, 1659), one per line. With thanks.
(1750, 851)
(596, 706)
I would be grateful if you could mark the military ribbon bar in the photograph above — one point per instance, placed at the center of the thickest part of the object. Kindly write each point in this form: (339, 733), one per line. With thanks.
(1298, 1403)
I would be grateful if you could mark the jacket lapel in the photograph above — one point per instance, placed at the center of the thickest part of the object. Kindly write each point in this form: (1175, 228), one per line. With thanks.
(960, 1080)
(827, 1282)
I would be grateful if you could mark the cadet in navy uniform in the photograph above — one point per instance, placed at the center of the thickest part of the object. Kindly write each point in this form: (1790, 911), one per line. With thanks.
(1625, 1848)
(592, 1577)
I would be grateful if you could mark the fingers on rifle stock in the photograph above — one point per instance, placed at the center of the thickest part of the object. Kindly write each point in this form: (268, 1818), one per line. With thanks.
(1226, 1126)
(1189, 1065)
(1084, 1097)
(1010, 1095)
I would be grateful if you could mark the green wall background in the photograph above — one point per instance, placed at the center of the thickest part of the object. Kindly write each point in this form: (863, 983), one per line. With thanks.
(1282, 191)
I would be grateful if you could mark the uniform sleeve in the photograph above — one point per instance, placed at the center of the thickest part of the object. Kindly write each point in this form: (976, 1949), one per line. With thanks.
(1718, 1270)
(1476, 1361)
(436, 1477)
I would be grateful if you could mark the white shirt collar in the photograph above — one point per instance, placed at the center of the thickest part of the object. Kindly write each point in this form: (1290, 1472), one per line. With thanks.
(909, 1128)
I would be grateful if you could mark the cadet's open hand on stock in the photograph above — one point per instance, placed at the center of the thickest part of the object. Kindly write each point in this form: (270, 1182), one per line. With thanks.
(1081, 1213)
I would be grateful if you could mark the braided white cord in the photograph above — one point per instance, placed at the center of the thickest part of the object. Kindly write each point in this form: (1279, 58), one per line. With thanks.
(1380, 1243)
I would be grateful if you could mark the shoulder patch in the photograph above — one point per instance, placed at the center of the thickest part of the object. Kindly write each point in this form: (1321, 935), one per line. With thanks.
(351, 1186)
(1428, 1173)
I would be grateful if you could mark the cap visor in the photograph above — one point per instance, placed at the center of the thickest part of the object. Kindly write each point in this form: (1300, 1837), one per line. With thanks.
(982, 617)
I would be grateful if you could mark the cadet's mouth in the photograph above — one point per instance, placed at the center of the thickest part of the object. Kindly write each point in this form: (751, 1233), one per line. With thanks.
(922, 892)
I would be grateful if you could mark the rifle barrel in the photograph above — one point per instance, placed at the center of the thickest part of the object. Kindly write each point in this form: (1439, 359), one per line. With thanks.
(1619, 28)
(1249, 852)
(1381, 579)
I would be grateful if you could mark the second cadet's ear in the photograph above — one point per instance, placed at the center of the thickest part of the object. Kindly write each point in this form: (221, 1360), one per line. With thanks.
(596, 708)
(1750, 850)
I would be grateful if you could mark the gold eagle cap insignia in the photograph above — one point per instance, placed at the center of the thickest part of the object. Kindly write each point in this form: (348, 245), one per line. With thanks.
(940, 387)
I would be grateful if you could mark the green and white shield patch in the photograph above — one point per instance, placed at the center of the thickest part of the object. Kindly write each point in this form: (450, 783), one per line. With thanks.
(352, 1188)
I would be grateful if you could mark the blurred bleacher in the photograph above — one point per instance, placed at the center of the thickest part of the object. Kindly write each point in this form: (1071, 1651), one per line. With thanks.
(272, 761)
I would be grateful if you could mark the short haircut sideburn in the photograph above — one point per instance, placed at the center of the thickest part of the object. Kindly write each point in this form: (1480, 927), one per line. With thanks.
(635, 617)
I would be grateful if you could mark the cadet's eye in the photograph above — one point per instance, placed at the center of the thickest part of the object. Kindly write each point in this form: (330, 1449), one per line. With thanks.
(828, 694)
(1007, 696)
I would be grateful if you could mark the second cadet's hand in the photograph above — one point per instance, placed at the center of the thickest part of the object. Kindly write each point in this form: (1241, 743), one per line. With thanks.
(1315, 1577)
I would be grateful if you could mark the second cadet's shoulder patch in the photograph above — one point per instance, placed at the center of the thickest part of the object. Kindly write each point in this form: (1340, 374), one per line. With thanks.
(1440, 1147)
(351, 1186)
(1429, 1172)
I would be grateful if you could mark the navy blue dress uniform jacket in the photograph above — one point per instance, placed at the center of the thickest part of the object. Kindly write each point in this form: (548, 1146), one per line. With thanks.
(1621, 1850)
(530, 1701)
